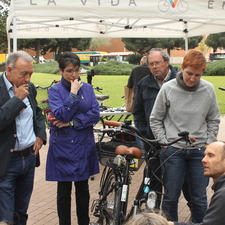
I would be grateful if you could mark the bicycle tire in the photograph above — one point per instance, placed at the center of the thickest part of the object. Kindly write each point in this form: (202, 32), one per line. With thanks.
(110, 203)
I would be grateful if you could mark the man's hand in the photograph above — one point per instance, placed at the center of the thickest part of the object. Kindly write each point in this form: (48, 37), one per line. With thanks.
(22, 91)
(75, 86)
(38, 144)
(170, 223)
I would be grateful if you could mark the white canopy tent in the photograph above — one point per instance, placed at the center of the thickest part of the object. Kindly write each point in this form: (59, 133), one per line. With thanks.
(114, 18)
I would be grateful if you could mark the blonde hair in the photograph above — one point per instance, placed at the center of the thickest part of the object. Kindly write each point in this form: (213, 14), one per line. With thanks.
(147, 219)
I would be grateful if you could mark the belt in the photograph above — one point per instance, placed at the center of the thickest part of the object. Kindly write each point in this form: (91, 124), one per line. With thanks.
(25, 152)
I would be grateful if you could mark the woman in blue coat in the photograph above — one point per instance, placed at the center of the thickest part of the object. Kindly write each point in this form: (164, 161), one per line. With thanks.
(72, 156)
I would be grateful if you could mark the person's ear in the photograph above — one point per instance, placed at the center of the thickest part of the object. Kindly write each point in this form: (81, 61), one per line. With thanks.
(60, 71)
(8, 69)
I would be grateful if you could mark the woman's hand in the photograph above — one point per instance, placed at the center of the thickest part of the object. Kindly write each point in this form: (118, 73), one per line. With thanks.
(75, 86)
(61, 124)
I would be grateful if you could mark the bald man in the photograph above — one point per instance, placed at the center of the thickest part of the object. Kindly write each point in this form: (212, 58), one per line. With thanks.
(214, 167)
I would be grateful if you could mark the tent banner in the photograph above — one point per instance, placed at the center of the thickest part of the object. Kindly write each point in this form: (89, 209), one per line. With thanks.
(119, 8)
(115, 18)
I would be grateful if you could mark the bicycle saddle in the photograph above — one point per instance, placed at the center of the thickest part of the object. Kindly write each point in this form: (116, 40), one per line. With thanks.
(102, 97)
(124, 150)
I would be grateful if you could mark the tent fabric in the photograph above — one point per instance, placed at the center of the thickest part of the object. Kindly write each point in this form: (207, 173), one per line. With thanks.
(114, 18)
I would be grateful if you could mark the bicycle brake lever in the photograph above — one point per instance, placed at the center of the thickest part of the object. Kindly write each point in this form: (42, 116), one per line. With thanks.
(185, 135)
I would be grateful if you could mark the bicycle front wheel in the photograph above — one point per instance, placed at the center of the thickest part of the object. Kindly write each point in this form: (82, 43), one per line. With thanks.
(111, 204)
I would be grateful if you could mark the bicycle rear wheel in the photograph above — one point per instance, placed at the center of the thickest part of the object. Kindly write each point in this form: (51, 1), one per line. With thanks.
(110, 206)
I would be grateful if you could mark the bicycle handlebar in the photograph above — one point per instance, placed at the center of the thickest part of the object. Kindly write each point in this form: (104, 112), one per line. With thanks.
(98, 89)
(53, 82)
(221, 88)
(126, 127)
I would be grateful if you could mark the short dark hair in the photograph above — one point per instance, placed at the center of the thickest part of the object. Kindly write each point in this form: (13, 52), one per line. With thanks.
(68, 58)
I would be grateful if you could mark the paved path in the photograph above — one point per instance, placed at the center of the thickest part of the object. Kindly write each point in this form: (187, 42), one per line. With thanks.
(42, 208)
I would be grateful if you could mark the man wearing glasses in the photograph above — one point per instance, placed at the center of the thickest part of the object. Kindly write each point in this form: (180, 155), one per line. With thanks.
(147, 90)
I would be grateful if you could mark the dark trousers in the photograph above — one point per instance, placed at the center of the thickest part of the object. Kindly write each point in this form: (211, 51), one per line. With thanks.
(64, 202)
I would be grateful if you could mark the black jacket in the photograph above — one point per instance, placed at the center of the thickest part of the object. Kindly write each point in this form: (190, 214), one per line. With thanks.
(215, 213)
(137, 73)
(9, 109)
(144, 99)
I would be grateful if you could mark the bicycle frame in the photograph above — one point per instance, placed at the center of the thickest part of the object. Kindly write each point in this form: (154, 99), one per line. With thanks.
(121, 171)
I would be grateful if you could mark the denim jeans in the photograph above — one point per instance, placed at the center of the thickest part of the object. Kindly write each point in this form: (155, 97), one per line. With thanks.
(64, 202)
(174, 171)
(16, 189)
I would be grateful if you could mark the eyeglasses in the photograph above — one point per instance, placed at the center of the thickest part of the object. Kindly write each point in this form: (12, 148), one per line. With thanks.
(156, 63)
(73, 71)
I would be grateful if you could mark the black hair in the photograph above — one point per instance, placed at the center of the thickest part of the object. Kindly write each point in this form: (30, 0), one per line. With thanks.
(68, 58)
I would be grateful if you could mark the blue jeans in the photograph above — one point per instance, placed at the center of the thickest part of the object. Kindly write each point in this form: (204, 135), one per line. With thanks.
(174, 172)
(16, 189)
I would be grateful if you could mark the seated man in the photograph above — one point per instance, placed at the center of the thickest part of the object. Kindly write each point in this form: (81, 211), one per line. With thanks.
(214, 166)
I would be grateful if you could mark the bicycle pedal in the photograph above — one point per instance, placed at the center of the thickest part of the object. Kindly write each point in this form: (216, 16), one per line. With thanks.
(96, 214)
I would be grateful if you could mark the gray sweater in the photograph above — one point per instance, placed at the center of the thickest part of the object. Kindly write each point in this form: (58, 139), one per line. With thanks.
(178, 109)
(215, 214)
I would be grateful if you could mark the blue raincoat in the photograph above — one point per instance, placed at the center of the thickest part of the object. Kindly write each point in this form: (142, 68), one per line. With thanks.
(72, 154)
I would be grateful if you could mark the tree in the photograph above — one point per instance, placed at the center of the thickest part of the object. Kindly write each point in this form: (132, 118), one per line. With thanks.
(97, 42)
(3, 15)
(59, 45)
(143, 45)
(36, 45)
(216, 41)
(56, 45)
(203, 47)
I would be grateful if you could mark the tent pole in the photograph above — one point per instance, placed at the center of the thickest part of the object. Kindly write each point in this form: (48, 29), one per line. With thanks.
(14, 34)
(9, 47)
(186, 43)
(186, 36)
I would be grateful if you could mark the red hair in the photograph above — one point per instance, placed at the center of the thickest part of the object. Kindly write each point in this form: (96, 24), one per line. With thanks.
(194, 59)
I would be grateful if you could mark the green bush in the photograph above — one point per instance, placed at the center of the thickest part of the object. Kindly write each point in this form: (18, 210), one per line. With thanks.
(49, 67)
(216, 68)
(113, 68)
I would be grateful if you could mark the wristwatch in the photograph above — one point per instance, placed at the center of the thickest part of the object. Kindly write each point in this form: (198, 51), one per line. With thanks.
(71, 123)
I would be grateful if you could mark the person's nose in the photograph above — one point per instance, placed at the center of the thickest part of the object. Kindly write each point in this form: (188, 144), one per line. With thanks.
(204, 160)
(27, 78)
(192, 79)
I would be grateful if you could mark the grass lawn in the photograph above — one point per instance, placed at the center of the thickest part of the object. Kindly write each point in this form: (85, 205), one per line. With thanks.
(114, 87)
(218, 81)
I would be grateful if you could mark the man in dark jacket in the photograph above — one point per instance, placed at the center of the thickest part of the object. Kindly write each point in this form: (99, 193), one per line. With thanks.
(138, 73)
(149, 86)
(214, 167)
(22, 134)
(144, 98)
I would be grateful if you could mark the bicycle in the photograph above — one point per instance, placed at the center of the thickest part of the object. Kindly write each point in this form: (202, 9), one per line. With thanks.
(121, 161)
(44, 104)
(101, 98)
